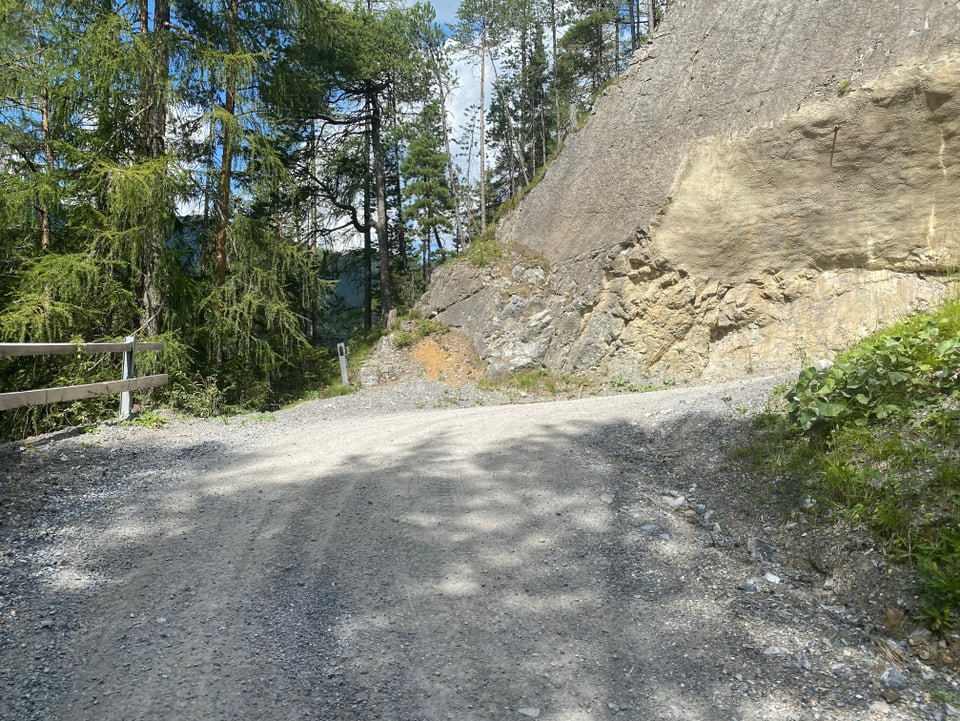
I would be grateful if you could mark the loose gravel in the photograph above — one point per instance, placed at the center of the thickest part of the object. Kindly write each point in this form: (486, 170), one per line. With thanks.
(420, 552)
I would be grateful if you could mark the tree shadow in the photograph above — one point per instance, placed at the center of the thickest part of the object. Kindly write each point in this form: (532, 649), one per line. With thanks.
(529, 570)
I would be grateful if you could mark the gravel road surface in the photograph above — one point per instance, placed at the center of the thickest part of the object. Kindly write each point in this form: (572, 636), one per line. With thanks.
(365, 558)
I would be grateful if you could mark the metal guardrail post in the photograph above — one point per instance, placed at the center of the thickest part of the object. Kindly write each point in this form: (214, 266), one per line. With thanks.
(342, 355)
(128, 373)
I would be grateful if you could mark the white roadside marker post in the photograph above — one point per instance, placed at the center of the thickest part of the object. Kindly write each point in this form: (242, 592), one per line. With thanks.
(342, 355)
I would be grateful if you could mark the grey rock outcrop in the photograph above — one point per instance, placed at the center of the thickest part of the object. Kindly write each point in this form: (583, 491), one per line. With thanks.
(768, 182)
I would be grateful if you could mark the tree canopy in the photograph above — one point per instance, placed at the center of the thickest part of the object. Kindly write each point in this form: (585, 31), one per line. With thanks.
(186, 169)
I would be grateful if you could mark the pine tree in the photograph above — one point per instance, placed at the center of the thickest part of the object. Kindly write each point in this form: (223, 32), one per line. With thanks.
(429, 203)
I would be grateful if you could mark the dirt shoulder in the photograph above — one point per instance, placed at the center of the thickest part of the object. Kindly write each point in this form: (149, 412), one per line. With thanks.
(375, 557)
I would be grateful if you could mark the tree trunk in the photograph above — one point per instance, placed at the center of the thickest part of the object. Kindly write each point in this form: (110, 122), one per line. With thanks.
(425, 257)
(224, 193)
(616, 43)
(156, 115)
(651, 20)
(483, 128)
(153, 146)
(42, 210)
(397, 190)
(208, 194)
(367, 239)
(556, 91)
(454, 185)
(380, 188)
(525, 122)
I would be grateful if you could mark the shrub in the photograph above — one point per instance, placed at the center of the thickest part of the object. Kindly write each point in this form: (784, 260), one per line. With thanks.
(875, 438)
(891, 374)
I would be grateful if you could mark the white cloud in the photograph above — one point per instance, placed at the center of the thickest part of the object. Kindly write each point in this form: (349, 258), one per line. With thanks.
(462, 107)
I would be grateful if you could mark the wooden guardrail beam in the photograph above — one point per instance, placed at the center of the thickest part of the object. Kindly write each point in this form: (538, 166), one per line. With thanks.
(42, 396)
(34, 349)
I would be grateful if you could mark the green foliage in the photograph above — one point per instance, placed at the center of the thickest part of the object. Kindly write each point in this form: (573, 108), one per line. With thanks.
(875, 437)
(483, 251)
(404, 339)
(429, 326)
(889, 375)
(939, 565)
(334, 390)
(197, 396)
(539, 382)
(623, 384)
(149, 419)
(424, 168)
(59, 296)
(414, 328)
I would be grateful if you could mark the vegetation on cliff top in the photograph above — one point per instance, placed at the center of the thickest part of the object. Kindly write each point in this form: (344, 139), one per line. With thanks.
(874, 437)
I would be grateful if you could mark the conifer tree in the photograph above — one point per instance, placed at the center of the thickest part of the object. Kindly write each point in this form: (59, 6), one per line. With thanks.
(429, 203)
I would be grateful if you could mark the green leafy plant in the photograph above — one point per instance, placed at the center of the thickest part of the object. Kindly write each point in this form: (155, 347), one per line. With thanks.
(939, 567)
(414, 328)
(404, 338)
(875, 438)
(427, 326)
(198, 396)
(149, 419)
(623, 384)
(539, 381)
(483, 251)
(888, 375)
(335, 390)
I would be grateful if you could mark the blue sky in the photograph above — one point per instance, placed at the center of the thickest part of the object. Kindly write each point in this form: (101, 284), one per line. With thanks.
(446, 10)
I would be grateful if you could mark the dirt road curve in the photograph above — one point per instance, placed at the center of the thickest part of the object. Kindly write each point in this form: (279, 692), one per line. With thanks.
(549, 561)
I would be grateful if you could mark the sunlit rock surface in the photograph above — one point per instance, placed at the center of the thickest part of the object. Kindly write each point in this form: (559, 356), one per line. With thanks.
(771, 182)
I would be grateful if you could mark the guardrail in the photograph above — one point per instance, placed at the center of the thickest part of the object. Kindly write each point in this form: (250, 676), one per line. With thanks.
(125, 386)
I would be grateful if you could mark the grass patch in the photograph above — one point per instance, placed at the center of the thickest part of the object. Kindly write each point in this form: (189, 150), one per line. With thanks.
(623, 384)
(876, 439)
(483, 251)
(257, 418)
(334, 390)
(148, 419)
(404, 338)
(359, 350)
(488, 251)
(412, 328)
(540, 382)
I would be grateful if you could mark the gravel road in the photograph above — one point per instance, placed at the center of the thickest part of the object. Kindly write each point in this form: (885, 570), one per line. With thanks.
(376, 557)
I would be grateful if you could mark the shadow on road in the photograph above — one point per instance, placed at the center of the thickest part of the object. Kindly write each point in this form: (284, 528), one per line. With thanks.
(437, 566)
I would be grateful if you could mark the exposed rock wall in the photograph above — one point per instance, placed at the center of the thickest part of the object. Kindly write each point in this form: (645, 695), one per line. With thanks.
(778, 179)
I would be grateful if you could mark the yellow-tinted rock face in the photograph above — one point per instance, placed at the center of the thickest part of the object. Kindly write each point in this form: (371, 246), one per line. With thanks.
(805, 236)
(867, 181)
(758, 217)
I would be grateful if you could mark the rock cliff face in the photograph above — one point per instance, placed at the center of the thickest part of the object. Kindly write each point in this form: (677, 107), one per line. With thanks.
(770, 181)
